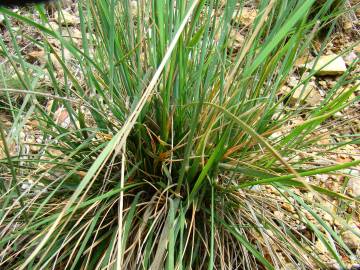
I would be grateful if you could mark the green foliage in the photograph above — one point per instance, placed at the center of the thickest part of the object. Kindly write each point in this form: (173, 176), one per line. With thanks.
(169, 130)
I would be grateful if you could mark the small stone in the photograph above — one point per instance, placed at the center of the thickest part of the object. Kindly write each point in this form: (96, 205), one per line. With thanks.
(134, 9)
(301, 61)
(2, 153)
(54, 26)
(309, 95)
(34, 148)
(357, 48)
(326, 216)
(289, 266)
(236, 40)
(55, 42)
(328, 65)
(55, 62)
(297, 121)
(324, 139)
(295, 217)
(331, 83)
(275, 135)
(338, 222)
(55, 152)
(270, 233)
(349, 58)
(355, 267)
(333, 265)
(272, 190)
(314, 98)
(284, 90)
(279, 215)
(293, 81)
(333, 186)
(309, 196)
(347, 25)
(256, 188)
(344, 158)
(321, 247)
(288, 207)
(245, 16)
(352, 238)
(66, 18)
(25, 186)
(75, 35)
(323, 84)
(322, 177)
(2, 18)
(354, 186)
(61, 117)
(36, 55)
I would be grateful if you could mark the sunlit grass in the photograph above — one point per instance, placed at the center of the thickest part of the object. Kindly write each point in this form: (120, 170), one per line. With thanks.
(169, 158)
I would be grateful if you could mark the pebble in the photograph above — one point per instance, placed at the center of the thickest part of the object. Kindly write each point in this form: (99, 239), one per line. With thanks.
(309, 216)
(331, 84)
(134, 9)
(322, 177)
(289, 266)
(56, 63)
(323, 84)
(273, 190)
(37, 55)
(347, 24)
(354, 186)
(279, 215)
(328, 65)
(25, 186)
(351, 239)
(350, 58)
(333, 265)
(54, 26)
(66, 18)
(296, 218)
(309, 95)
(309, 196)
(357, 48)
(355, 267)
(246, 16)
(236, 40)
(321, 247)
(293, 81)
(327, 217)
(288, 207)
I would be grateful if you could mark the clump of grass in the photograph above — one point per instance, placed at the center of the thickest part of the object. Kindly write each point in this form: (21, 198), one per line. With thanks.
(167, 160)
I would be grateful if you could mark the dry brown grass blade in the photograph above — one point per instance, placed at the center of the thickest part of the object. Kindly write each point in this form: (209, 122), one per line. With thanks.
(121, 208)
(230, 78)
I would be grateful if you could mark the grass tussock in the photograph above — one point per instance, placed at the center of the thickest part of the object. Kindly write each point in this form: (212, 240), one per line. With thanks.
(176, 150)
